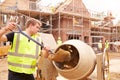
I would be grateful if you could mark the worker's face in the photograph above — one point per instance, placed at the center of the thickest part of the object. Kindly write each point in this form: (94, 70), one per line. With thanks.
(35, 28)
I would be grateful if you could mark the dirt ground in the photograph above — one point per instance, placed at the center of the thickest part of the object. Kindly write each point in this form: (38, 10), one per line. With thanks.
(3, 69)
(114, 68)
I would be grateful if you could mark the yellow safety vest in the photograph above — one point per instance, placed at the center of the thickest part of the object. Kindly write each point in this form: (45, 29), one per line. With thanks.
(22, 55)
(106, 45)
(59, 42)
(100, 45)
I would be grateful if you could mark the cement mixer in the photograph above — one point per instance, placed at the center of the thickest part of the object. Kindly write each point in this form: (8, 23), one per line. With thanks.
(82, 63)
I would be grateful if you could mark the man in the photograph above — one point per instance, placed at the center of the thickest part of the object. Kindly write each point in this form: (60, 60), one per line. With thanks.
(100, 46)
(59, 41)
(106, 44)
(23, 53)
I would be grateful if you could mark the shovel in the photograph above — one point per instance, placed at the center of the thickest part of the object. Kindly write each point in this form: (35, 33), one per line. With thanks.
(59, 56)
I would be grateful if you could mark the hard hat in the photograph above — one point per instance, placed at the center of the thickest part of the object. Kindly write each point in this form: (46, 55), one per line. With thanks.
(59, 38)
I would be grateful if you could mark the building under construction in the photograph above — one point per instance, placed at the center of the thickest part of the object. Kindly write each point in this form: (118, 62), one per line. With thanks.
(70, 19)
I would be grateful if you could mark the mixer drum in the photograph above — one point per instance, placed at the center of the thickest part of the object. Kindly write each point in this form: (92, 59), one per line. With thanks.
(82, 63)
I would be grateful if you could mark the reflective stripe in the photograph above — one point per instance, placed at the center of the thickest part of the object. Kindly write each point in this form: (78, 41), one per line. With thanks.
(21, 55)
(17, 43)
(21, 65)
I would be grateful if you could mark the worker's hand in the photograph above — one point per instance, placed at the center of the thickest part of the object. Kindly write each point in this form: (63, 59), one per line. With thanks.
(10, 26)
(45, 52)
(51, 56)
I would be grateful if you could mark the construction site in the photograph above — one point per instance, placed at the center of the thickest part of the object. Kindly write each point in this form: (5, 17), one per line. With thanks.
(77, 27)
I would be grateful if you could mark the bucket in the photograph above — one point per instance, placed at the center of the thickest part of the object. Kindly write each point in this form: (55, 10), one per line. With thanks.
(82, 63)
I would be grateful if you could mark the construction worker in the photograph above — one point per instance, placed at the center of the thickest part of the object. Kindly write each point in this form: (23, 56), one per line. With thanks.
(23, 52)
(59, 41)
(106, 44)
(100, 46)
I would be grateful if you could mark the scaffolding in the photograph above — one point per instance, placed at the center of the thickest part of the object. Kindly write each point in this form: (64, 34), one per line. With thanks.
(68, 21)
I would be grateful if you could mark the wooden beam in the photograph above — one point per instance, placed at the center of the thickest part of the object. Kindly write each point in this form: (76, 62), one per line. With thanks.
(100, 71)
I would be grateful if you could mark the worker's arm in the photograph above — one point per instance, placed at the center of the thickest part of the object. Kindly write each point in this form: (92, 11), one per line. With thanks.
(60, 56)
(8, 27)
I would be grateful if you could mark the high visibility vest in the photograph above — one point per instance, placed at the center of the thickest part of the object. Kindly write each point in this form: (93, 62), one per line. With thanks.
(23, 53)
(106, 45)
(100, 45)
(59, 42)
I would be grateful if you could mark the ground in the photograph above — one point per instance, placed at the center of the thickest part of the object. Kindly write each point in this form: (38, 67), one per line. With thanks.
(3, 69)
(114, 68)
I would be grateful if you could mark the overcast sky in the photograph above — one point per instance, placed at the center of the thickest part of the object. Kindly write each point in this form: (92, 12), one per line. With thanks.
(104, 5)
(96, 5)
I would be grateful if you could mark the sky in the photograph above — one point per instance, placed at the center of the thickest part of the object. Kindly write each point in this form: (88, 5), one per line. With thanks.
(104, 6)
(1, 0)
(96, 5)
